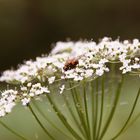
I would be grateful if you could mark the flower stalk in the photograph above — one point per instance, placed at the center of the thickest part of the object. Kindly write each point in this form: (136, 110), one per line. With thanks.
(129, 117)
(50, 121)
(12, 131)
(102, 107)
(39, 122)
(118, 92)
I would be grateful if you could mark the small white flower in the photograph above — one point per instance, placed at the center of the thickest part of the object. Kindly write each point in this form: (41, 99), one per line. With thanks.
(51, 79)
(29, 84)
(37, 89)
(25, 101)
(9, 107)
(103, 61)
(2, 112)
(62, 89)
(78, 78)
(137, 59)
(99, 72)
(31, 94)
(45, 90)
(88, 73)
(23, 88)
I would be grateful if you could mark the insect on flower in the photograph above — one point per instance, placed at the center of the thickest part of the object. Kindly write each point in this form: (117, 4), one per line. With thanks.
(70, 64)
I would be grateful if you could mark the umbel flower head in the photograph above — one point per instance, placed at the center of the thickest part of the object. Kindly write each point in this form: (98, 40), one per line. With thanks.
(69, 60)
(78, 62)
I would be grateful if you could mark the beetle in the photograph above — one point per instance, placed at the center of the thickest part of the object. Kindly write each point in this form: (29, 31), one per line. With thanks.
(70, 64)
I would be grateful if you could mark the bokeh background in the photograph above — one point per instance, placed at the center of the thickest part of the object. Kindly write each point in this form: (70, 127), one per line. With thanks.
(29, 27)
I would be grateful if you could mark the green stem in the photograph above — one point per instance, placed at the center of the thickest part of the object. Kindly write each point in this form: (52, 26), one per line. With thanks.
(92, 103)
(132, 122)
(79, 108)
(112, 110)
(63, 119)
(96, 111)
(86, 111)
(129, 117)
(73, 116)
(39, 122)
(112, 81)
(12, 131)
(47, 119)
(102, 107)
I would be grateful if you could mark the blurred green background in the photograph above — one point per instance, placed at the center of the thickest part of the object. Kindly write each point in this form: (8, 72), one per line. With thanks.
(29, 27)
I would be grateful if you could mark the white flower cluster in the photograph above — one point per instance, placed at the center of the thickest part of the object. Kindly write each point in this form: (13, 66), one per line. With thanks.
(91, 57)
(10, 98)
(68, 60)
(31, 91)
(42, 69)
(130, 65)
(7, 101)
